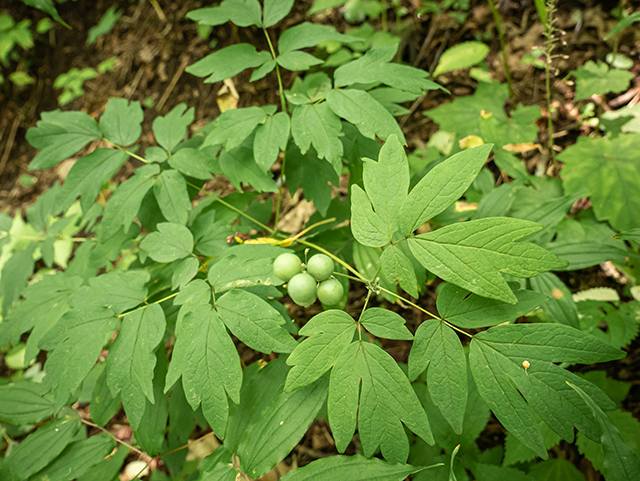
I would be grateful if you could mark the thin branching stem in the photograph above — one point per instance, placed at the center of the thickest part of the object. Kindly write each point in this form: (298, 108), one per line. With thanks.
(503, 47)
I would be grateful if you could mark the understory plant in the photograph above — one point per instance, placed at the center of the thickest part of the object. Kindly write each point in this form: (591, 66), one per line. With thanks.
(161, 299)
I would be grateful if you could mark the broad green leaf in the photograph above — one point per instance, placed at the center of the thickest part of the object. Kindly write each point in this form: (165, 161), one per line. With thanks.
(330, 332)
(297, 61)
(118, 290)
(108, 468)
(240, 167)
(39, 448)
(233, 126)
(185, 270)
(353, 468)
(77, 458)
(607, 170)
(131, 360)
(492, 472)
(200, 164)
(245, 266)
(473, 254)
(44, 303)
(556, 469)
(243, 13)
(284, 421)
(385, 324)
(362, 110)
(274, 11)
(471, 311)
(263, 70)
(47, 7)
(622, 24)
(271, 138)
(171, 128)
(377, 66)
(103, 405)
(548, 342)
(502, 397)
(367, 226)
(317, 125)
(391, 98)
(14, 276)
(398, 269)
(228, 62)
(441, 187)
(621, 321)
(254, 322)
(207, 359)
(86, 178)
(309, 35)
(548, 214)
(631, 234)
(597, 79)
(74, 345)
(438, 349)
(121, 121)
(581, 255)
(59, 135)
(151, 431)
(124, 203)
(463, 55)
(560, 305)
(515, 452)
(620, 462)
(25, 402)
(218, 466)
(170, 190)
(169, 243)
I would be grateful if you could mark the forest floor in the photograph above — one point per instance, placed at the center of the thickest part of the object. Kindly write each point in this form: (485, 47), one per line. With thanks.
(154, 47)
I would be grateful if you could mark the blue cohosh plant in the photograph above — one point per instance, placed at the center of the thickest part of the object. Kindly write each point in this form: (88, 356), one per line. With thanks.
(142, 293)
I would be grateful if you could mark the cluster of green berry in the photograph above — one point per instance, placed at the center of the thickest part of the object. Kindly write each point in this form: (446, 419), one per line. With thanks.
(303, 287)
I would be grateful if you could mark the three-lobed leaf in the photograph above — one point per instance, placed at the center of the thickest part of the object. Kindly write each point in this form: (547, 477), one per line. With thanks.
(121, 121)
(171, 242)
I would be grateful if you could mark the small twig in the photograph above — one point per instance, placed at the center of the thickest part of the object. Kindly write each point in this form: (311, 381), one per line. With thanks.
(172, 84)
(93, 425)
(9, 144)
(158, 9)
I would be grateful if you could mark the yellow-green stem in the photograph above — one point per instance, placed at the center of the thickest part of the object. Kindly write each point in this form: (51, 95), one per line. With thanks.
(283, 103)
(145, 306)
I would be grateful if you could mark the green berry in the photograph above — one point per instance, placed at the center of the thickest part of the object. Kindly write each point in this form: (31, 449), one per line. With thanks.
(320, 266)
(302, 289)
(286, 266)
(330, 292)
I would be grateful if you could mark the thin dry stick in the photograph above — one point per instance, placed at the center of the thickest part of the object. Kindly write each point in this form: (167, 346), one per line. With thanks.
(159, 12)
(93, 425)
(172, 84)
(9, 144)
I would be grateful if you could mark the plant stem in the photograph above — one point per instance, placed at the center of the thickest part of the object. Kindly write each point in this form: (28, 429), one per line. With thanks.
(364, 308)
(145, 306)
(93, 425)
(507, 70)
(127, 151)
(283, 103)
(549, 46)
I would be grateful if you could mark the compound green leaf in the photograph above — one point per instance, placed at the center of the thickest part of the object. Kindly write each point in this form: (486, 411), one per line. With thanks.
(40, 448)
(14, 276)
(548, 214)
(367, 226)
(170, 190)
(491, 472)
(471, 311)
(317, 125)
(274, 11)
(185, 270)
(597, 79)
(169, 243)
(87, 176)
(353, 468)
(131, 360)
(309, 35)
(228, 62)
(620, 462)
(398, 269)
(385, 324)
(581, 255)
(473, 254)
(76, 459)
(195, 163)
(284, 421)
(117, 290)
(108, 468)
(560, 304)
(438, 349)
(271, 138)
(209, 363)
(234, 126)
(607, 169)
(240, 168)
(245, 266)
(297, 61)
(515, 452)
(501, 396)
(74, 345)
(622, 321)
(556, 469)
(243, 13)
(218, 466)
(121, 121)
(441, 187)
(254, 322)
(171, 128)
(344, 391)
(124, 203)
(463, 55)
(59, 135)
(377, 66)
(103, 404)
(25, 402)
(330, 332)
(151, 431)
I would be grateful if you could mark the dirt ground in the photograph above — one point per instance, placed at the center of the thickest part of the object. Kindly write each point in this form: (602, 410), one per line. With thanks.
(153, 48)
